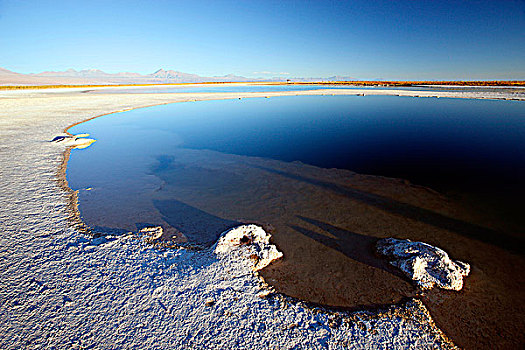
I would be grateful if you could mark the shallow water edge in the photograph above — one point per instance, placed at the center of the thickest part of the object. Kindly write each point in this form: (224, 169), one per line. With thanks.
(73, 198)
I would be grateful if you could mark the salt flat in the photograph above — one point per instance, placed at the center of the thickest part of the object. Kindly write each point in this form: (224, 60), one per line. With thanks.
(62, 289)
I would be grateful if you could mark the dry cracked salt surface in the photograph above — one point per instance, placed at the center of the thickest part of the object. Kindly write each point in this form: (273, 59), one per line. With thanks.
(61, 289)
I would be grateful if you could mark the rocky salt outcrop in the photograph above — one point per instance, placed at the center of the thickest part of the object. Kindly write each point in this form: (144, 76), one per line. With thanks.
(76, 141)
(151, 234)
(251, 242)
(426, 265)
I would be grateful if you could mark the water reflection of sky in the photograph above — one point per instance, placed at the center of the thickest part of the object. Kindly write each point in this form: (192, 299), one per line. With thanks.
(404, 137)
(441, 143)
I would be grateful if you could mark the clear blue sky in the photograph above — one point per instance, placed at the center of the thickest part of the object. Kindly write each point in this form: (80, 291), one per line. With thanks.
(361, 39)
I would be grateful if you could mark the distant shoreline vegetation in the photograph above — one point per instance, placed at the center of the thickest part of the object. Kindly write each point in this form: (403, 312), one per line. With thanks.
(509, 83)
(417, 83)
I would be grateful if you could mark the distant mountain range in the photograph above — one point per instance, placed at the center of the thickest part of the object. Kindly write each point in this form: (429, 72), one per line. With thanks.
(98, 77)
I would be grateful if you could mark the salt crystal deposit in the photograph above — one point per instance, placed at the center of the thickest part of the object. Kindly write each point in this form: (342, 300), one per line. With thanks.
(426, 265)
(76, 141)
(252, 242)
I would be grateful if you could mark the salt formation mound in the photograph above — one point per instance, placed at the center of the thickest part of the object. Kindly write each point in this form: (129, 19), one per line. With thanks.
(151, 234)
(76, 141)
(425, 264)
(251, 242)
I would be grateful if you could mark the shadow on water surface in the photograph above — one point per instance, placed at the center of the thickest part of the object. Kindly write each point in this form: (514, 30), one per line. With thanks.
(196, 225)
(473, 231)
(354, 245)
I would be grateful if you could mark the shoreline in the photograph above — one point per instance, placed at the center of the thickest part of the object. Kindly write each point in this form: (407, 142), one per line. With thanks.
(167, 98)
(73, 197)
(378, 83)
(198, 96)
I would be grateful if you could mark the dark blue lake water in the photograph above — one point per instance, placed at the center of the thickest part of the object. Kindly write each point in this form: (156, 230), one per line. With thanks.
(446, 144)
